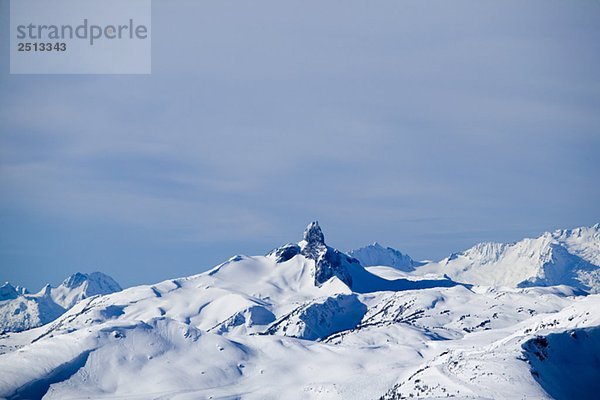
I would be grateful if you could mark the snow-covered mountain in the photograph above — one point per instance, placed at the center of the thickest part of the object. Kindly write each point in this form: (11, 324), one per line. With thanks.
(377, 255)
(563, 257)
(80, 286)
(309, 322)
(20, 310)
(9, 292)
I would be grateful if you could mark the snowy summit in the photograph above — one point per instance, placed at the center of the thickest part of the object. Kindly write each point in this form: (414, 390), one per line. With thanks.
(375, 255)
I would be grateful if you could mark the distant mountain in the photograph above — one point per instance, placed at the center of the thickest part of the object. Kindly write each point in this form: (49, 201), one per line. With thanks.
(9, 292)
(377, 255)
(80, 286)
(20, 310)
(563, 257)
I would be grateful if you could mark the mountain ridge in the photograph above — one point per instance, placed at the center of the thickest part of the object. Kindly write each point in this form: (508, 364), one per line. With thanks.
(564, 256)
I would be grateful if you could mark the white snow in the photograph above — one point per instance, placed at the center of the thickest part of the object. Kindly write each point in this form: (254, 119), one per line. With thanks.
(256, 328)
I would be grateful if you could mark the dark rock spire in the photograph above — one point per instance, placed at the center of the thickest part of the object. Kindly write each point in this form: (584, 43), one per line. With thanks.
(329, 262)
(313, 234)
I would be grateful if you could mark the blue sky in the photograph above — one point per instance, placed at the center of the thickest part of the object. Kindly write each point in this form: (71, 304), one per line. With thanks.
(426, 127)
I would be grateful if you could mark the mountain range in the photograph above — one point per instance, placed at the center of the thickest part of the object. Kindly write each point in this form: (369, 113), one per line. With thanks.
(307, 321)
(20, 310)
(563, 257)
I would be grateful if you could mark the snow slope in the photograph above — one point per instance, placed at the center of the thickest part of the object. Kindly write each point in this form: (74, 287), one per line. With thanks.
(309, 322)
(20, 310)
(531, 360)
(568, 257)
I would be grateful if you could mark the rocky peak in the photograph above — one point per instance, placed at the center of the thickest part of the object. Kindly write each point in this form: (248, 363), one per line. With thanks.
(75, 280)
(313, 235)
(21, 290)
(8, 292)
(329, 262)
(313, 246)
(285, 252)
(46, 290)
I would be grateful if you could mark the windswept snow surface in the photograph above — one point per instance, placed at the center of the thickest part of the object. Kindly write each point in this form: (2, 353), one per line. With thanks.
(309, 322)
